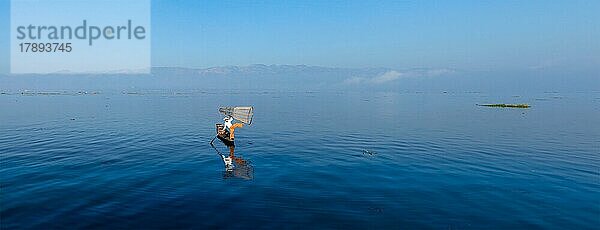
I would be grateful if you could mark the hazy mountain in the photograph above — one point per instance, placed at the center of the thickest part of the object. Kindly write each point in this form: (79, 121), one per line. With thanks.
(231, 77)
(303, 77)
(261, 69)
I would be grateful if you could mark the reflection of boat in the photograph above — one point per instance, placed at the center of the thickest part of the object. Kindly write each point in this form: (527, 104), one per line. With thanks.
(225, 132)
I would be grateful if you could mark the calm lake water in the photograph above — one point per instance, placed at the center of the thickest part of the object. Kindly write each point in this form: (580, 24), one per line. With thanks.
(322, 159)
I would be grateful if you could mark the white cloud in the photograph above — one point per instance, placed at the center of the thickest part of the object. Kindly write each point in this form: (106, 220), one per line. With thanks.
(393, 75)
(388, 76)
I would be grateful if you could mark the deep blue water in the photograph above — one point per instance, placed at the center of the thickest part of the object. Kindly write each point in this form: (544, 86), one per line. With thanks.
(312, 160)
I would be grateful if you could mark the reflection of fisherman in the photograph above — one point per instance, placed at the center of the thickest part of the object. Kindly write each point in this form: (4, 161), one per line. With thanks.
(228, 160)
(228, 163)
(241, 166)
(230, 126)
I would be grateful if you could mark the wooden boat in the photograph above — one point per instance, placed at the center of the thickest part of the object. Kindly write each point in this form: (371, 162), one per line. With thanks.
(223, 135)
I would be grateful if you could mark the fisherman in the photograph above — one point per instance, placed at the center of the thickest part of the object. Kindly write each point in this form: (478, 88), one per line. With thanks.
(230, 126)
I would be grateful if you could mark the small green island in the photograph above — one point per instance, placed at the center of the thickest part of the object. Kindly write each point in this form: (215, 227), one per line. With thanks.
(506, 105)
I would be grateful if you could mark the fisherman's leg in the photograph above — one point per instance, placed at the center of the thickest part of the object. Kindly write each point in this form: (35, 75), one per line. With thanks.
(232, 129)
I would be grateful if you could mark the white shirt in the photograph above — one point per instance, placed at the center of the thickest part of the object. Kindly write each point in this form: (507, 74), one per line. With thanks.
(228, 122)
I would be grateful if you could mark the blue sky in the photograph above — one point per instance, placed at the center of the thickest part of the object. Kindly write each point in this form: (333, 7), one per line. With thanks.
(469, 35)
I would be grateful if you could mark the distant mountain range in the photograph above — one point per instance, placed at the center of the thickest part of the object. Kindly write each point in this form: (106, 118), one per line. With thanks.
(304, 77)
(312, 78)
(258, 76)
(296, 76)
(261, 69)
